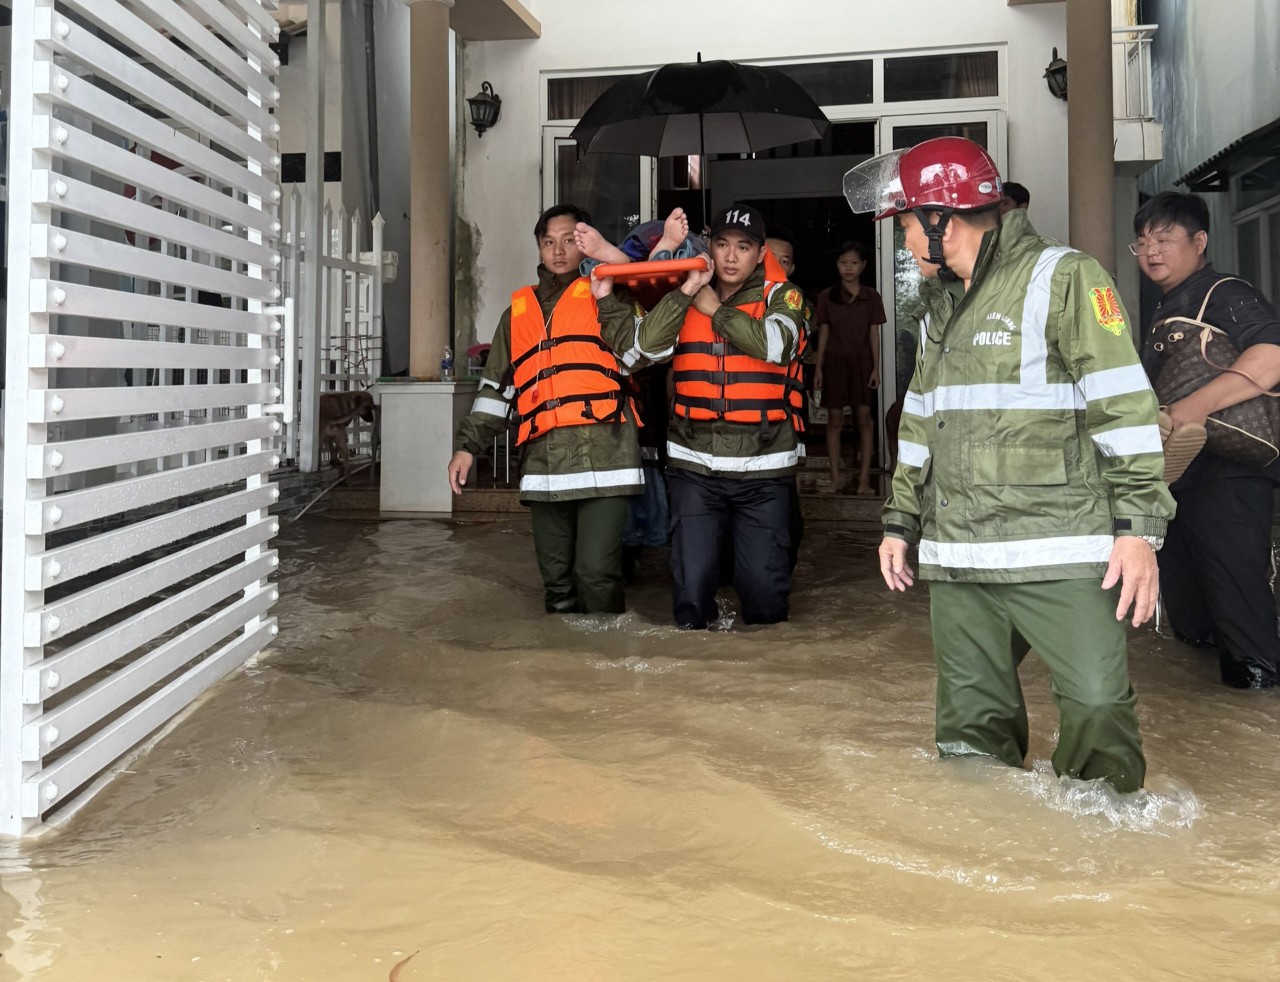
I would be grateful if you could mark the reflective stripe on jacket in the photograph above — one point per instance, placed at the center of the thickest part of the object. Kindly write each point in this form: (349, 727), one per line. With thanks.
(1028, 438)
(564, 375)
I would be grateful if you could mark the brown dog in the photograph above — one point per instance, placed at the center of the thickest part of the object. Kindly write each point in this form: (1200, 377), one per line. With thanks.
(337, 410)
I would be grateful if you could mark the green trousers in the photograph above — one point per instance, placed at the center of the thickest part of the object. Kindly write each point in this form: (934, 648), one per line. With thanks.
(579, 549)
(982, 631)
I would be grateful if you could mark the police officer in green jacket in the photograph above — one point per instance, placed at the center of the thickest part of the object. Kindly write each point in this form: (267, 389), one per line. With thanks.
(734, 334)
(1029, 467)
(554, 370)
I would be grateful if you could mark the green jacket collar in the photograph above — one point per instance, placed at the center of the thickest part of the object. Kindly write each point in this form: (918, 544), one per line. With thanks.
(552, 284)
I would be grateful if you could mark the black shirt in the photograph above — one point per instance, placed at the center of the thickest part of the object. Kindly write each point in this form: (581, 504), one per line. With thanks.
(1247, 317)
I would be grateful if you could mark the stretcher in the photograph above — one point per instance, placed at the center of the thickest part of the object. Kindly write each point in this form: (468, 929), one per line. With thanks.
(650, 281)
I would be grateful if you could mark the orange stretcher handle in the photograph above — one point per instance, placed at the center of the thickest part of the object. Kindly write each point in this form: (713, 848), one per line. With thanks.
(654, 269)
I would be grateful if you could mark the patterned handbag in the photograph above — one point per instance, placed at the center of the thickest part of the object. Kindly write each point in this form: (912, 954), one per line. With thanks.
(1195, 354)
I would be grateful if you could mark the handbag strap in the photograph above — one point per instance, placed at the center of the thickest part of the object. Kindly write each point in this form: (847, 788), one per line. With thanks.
(1204, 339)
(1205, 305)
(1198, 320)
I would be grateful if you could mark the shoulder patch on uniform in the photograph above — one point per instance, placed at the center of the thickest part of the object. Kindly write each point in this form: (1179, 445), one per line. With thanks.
(581, 288)
(518, 305)
(1106, 309)
(793, 299)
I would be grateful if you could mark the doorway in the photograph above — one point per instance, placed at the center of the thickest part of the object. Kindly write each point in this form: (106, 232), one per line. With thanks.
(799, 189)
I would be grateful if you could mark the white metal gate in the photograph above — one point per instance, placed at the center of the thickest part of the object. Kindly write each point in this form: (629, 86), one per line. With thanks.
(343, 352)
(139, 434)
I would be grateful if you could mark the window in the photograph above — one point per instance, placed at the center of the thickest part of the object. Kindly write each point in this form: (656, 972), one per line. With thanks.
(957, 75)
(608, 185)
(1258, 250)
(293, 167)
(568, 98)
(909, 136)
(1255, 188)
(834, 83)
(1258, 185)
(1249, 250)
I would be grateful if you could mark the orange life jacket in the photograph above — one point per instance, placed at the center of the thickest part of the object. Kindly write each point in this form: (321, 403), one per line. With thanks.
(715, 380)
(565, 376)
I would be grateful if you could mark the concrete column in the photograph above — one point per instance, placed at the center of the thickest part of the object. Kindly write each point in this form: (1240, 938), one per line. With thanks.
(1090, 130)
(430, 218)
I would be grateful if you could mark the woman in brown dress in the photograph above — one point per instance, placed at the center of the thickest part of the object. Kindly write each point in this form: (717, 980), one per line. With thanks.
(849, 317)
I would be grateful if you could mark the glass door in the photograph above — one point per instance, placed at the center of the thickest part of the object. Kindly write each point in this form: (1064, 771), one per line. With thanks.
(898, 270)
(617, 189)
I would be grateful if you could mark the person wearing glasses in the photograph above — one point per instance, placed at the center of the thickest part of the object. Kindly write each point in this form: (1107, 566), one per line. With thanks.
(1029, 467)
(1215, 566)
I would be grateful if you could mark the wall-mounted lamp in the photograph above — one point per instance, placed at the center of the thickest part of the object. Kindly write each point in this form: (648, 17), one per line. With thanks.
(485, 108)
(1056, 77)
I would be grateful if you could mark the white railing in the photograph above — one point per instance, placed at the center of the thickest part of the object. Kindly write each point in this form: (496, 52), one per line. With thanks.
(142, 372)
(344, 347)
(1131, 71)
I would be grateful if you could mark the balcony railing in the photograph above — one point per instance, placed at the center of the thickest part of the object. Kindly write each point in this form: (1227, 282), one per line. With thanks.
(1131, 71)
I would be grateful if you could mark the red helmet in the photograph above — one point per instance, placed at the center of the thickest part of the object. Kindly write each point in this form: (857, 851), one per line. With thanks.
(946, 172)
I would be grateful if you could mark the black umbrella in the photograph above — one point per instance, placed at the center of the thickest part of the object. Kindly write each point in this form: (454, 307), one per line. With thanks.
(707, 106)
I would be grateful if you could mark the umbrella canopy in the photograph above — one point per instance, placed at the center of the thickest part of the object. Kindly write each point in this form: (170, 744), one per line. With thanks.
(703, 107)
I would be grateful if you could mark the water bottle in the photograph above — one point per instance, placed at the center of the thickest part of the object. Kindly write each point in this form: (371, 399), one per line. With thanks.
(446, 365)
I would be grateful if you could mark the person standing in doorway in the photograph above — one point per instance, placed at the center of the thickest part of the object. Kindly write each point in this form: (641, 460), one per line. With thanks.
(1030, 469)
(1216, 561)
(553, 369)
(850, 315)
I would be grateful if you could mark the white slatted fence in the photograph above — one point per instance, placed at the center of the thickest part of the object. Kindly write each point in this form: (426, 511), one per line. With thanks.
(143, 290)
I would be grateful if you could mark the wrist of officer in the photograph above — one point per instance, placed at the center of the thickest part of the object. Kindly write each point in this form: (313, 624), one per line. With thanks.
(1156, 542)
(1125, 526)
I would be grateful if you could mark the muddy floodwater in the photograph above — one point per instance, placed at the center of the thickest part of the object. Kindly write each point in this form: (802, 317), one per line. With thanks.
(426, 763)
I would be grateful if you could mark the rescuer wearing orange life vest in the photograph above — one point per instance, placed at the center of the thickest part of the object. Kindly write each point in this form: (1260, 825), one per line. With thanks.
(553, 369)
(735, 335)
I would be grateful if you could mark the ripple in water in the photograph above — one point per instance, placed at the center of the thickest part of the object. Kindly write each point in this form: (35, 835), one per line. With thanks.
(632, 623)
(1164, 805)
(628, 623)
(634, 663)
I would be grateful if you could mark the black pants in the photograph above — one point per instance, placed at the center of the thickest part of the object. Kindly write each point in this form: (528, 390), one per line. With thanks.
(795, 523)
(579, 548)
(756, 514)
(1214, 572)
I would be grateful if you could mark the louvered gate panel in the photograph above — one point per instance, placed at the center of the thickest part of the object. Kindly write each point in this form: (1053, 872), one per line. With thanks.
(140, 432)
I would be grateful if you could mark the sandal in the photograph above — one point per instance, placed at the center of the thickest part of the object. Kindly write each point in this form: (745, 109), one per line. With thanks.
(1181, 445)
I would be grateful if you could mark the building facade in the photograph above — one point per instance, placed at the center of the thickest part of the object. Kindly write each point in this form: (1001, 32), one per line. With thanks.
(1217, 87)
